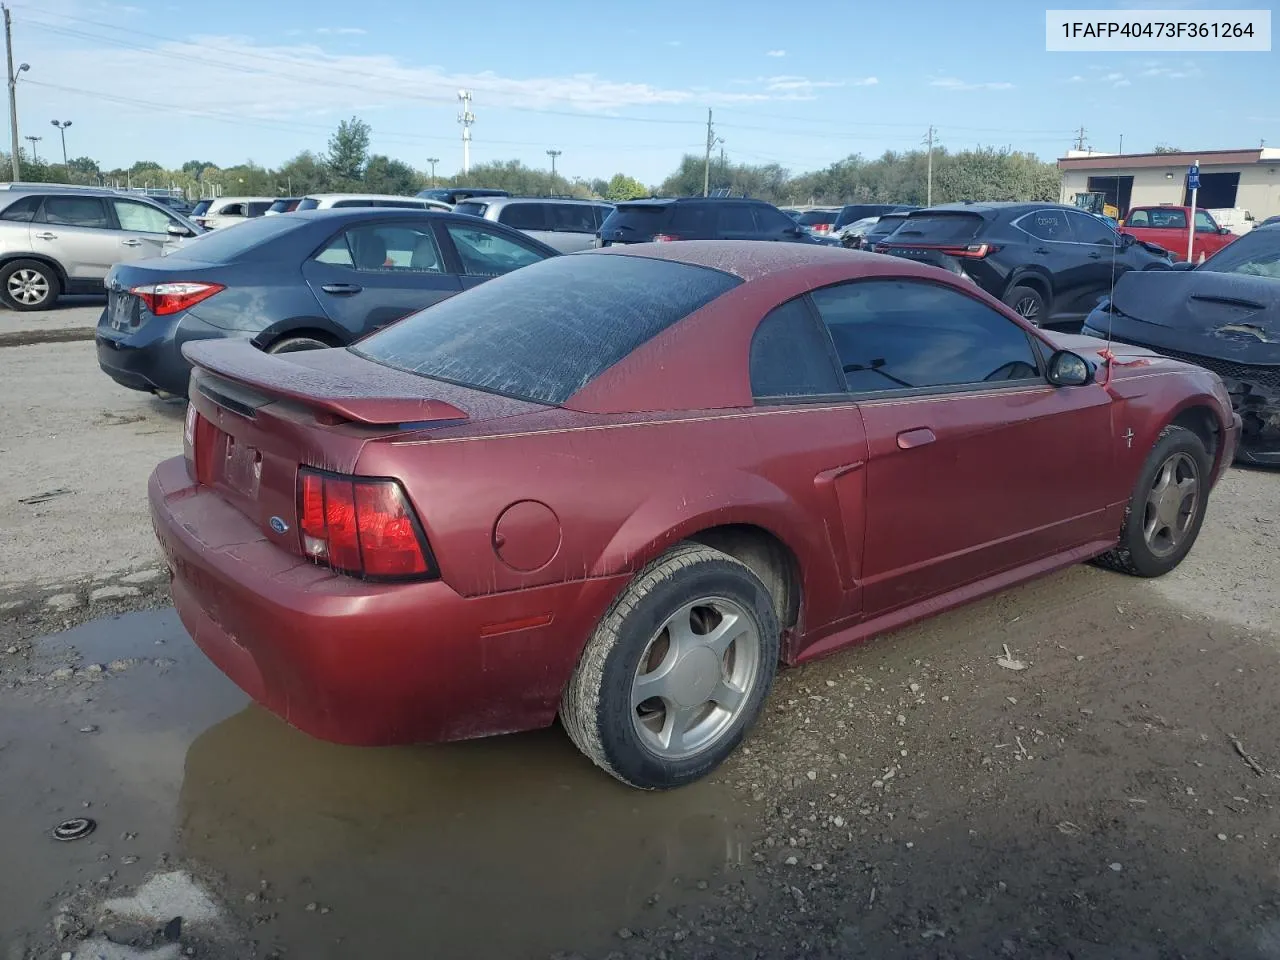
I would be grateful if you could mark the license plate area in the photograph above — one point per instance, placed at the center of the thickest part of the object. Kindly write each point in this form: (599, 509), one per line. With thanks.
(123, 313)
(241, 467)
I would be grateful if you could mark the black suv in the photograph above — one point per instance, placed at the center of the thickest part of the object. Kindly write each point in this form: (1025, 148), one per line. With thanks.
(698, 218)
(853, 212)
(1050, 262)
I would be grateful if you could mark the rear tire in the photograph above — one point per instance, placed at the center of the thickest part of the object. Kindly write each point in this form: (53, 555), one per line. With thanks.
(294, 344)
(676, 672)
(1166, 511)
(1029, 303)
(29, 285)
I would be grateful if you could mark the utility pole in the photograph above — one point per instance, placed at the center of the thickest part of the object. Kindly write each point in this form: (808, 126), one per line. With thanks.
(433, 161)
(466, 118)
(13, 94)
(712, 140)
(62, 129)
(35, 157)
(553, 154)
(1080, 138)
(928, 142)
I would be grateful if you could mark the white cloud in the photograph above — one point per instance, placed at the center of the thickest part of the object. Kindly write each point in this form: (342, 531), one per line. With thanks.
(674, 43)
(342, 31)
(1122, 83)
(866, 82)
(775, 53)
(954, 83)
(1075, 79)
(1111, 77)
(1185, 72)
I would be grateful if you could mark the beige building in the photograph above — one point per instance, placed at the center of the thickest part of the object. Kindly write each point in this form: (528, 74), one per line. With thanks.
(1244, 179)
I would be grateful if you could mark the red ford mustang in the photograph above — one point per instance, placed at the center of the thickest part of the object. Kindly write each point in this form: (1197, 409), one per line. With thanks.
(622, 486)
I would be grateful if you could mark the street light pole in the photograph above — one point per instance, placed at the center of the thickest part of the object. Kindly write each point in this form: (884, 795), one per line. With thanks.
(35, 157)
(62, 129)
(12, 75)
(553, 154)
(433, 161)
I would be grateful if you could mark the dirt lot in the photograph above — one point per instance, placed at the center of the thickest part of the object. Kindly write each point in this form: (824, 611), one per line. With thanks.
(1118, 797)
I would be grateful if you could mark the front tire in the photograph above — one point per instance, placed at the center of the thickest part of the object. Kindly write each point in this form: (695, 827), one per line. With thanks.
(1167, 508)
(676, 672)
(29, 285)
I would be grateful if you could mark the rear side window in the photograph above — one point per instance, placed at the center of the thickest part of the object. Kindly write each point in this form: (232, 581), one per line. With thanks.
(231, 210)
(258, 207)
(384, 247)
(524, 216)
(638, 221)
(791, 356)
(471, 208)
(696, 219)
(1050, 225)
(545, 332)
(23, 210)
(572, 218)
(940, 227)
(769, 220)
(76, 212)
(737, 218)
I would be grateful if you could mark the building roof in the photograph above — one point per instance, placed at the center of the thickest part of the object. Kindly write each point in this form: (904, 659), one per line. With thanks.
(1081, 160)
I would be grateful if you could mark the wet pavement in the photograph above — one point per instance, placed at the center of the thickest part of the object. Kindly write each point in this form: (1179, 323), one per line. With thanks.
(513, 846)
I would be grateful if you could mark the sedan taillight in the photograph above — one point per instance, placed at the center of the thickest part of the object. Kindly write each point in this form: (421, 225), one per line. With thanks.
(163, 299)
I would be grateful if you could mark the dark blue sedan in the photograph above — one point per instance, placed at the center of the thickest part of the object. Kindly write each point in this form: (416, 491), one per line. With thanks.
(300, 281)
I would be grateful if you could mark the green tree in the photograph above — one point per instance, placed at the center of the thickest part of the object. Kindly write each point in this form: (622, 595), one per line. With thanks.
(1165, 148)
(622, 187)
(349, 151)
(305, 173)
(145, 167)
(384, 175)
(196, 167)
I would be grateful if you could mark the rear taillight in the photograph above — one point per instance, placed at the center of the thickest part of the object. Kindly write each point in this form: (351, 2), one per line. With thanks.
(361, 526)
(189, 439)
(163, 299)
(664, 237)
(822, 228)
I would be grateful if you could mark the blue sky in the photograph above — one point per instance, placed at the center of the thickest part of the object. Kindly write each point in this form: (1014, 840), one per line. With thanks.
(614, 87)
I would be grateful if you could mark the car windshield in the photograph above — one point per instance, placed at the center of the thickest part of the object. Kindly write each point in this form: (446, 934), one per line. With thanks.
(544, 332)
(1256, 254)
(939, 227)
(280, 206)
(224, 246)
(813, 218)
(200, 208)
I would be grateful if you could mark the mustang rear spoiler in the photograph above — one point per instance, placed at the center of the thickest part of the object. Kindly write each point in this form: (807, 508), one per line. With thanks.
(332, 382)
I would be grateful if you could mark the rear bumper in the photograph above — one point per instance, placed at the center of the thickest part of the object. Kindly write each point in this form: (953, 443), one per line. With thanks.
(150, 358)
(363, 663)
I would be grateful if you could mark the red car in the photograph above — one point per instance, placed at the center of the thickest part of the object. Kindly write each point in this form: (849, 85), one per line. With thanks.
(623, 485)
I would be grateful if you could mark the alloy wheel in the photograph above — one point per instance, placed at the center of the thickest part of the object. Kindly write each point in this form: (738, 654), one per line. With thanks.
(28, 287)
(1172, 503)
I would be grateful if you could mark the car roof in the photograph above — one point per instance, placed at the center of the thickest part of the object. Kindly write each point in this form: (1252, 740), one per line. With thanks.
(503, 201)
(992, 207)
(752, 259)
(360, 196)
(240, 199)
(665, 201)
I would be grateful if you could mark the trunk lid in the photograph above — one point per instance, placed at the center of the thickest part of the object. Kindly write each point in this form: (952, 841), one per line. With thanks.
(126, 313)
(255, 418)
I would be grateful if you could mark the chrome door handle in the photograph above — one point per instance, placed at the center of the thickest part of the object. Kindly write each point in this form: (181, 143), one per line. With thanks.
(918, 437)
(131, 242)
(46, 236)
(341, 289)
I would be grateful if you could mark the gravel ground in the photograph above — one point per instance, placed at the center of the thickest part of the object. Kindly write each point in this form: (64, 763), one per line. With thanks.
(1117, 797)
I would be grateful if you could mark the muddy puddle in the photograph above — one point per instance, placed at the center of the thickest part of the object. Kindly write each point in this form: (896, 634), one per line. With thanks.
(509, 847)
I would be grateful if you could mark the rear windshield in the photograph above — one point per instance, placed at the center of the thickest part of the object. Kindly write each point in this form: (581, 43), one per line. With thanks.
(940, 227)
(307, 203)
(640, 219)
(200, 208)
(885, 226)
(281, 206)
(858, 211)
(544, 332)
(1256, 254)
(223, 246)
(471, 209)
(814, 217)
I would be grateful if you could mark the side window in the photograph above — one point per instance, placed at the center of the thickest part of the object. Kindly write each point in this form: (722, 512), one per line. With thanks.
(23, 210)
(486, 254)
(1204, 223)
(1089, 229)
(737, 218)
(572, 218)
(1138, 218)
(232, 210)
(140, 218)
(385, 248)
(769, 220)
(1048, 225)
(791, 355)
(910, 334)
(76, 212)
(1169, 219)
(258, 207)
(524, 216)
(697, 219)
(602, 214)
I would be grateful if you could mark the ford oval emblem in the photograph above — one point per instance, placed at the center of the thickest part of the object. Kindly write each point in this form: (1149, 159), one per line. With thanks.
(278, 525)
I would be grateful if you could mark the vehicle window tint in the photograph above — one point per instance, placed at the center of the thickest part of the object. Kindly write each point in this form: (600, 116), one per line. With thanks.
(486, 254)
(471, 209)
(940, 227)
(383, 248)
(201, 208)
(1168, 219)
(1089, 229)
(737, 218)
(308, 203)
(545, 332)
(769, 220)
(791, 355)
(696, 219)
(813, 218)
(338, 204)
(901, 334)
(76, 211)
(231, 210)
(400, 204)
(572, 218)
(141, 218)
(524, 216)
(885, 227)
(602, 214)
(23, 210)
(1138, 218)
(1050, 225)
(1205, 222)
(258, 207)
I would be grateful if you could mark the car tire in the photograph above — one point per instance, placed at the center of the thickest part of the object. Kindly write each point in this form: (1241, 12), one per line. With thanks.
(683, 731)
(1028, 302)
(294, 344)
(29, 285)
(1158, 532)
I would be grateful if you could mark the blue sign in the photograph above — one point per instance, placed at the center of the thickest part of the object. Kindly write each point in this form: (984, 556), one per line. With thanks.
(1193, 177)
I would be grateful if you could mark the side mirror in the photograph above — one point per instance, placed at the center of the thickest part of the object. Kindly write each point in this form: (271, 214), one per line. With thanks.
(1223, 231)
(177, 230)
(1067, 369)
(1127, 239)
